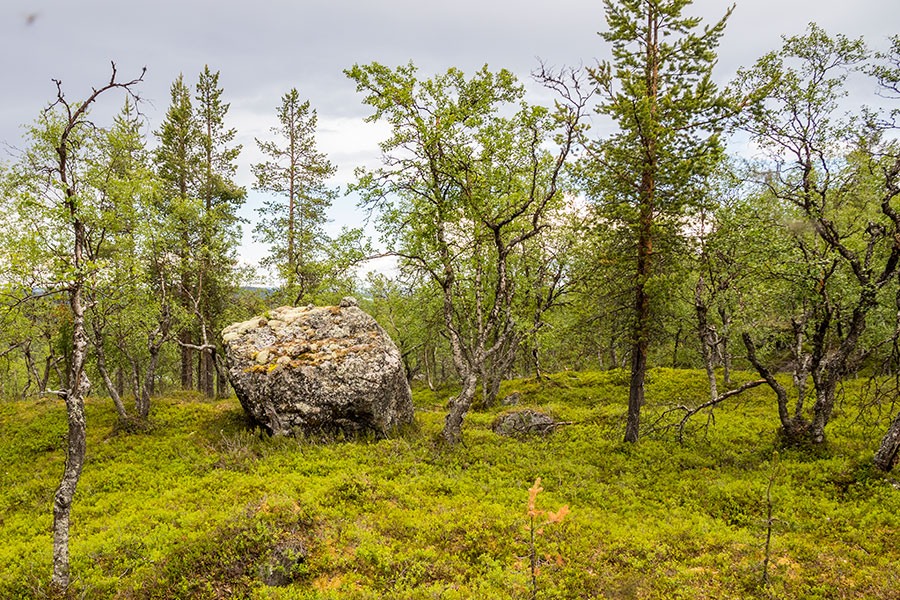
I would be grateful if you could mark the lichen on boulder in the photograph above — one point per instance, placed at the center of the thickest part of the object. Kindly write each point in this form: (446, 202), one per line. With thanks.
(310, 369)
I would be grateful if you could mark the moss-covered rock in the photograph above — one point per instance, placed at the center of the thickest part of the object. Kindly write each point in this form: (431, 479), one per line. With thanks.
(524, 422)
(318, 368)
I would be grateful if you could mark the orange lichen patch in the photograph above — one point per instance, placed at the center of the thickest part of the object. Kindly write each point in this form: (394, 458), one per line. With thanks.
(328, 582)
(360, 347)
(298, 353)
(316, 358)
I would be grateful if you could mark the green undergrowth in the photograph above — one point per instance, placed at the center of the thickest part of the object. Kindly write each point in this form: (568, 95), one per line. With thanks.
(198, 504)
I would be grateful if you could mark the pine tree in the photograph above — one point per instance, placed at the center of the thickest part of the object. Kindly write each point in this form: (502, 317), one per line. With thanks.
(659, 91)
(221, 198)
(178, 160)
(218, 169)
(297, 171)
(197, 167)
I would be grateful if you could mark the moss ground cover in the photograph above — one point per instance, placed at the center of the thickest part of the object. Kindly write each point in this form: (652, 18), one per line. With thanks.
(201, 505)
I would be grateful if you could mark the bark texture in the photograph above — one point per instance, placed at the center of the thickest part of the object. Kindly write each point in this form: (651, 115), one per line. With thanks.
(647, 200)
(76, 446)
(890, 443)
(77, 384)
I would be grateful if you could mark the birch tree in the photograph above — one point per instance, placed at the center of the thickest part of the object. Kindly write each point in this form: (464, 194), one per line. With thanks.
(835, 180)
(59, 219)
(462, 187)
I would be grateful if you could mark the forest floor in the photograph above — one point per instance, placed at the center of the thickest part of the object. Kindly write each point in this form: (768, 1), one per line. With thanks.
(200, 505)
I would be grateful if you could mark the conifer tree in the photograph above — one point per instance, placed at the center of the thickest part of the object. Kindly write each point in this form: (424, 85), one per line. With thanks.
(659, 91)
(221, 198)
(218, 169)
(178, 162)
(196, 164)
(297, 171)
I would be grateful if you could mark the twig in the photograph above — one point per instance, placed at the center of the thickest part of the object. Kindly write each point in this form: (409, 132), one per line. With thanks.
(720, 398)
(690, 412)
(769, 519)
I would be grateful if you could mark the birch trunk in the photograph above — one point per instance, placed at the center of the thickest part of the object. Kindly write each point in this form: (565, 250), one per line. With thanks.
(111, 387)
(76, 447)
(76, 442)
(703, 332)
(890, 443)
(723, 340)
(459, 406)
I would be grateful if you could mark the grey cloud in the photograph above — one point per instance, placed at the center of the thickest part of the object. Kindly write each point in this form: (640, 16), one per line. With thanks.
(265, 47)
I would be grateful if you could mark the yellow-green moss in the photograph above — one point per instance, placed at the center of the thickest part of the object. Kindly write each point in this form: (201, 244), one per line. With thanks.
(190, 508)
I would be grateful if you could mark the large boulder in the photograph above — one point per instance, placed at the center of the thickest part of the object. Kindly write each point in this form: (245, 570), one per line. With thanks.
(319, 368)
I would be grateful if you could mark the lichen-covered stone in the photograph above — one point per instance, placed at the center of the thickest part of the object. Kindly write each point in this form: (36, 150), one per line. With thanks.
(318, 368)
(512, 399)
(524, 422)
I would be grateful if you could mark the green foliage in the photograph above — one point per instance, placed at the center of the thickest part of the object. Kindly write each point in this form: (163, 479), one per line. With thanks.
(466, 182)
(475, 146)
(199, 227)
(471, 197)
(410, 312)
(650, 175)
(306, 260)
(200, 505)
(660, 92)
(829, 182)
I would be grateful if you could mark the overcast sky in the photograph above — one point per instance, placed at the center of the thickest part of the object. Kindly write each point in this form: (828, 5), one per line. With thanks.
(265, 47)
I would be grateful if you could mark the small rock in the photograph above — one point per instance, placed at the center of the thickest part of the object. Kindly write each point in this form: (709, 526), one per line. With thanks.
(512, 399)
(523, 422)
(348, 301)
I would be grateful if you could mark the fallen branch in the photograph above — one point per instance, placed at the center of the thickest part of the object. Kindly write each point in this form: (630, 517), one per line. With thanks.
(211, 349)
(690, 412)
